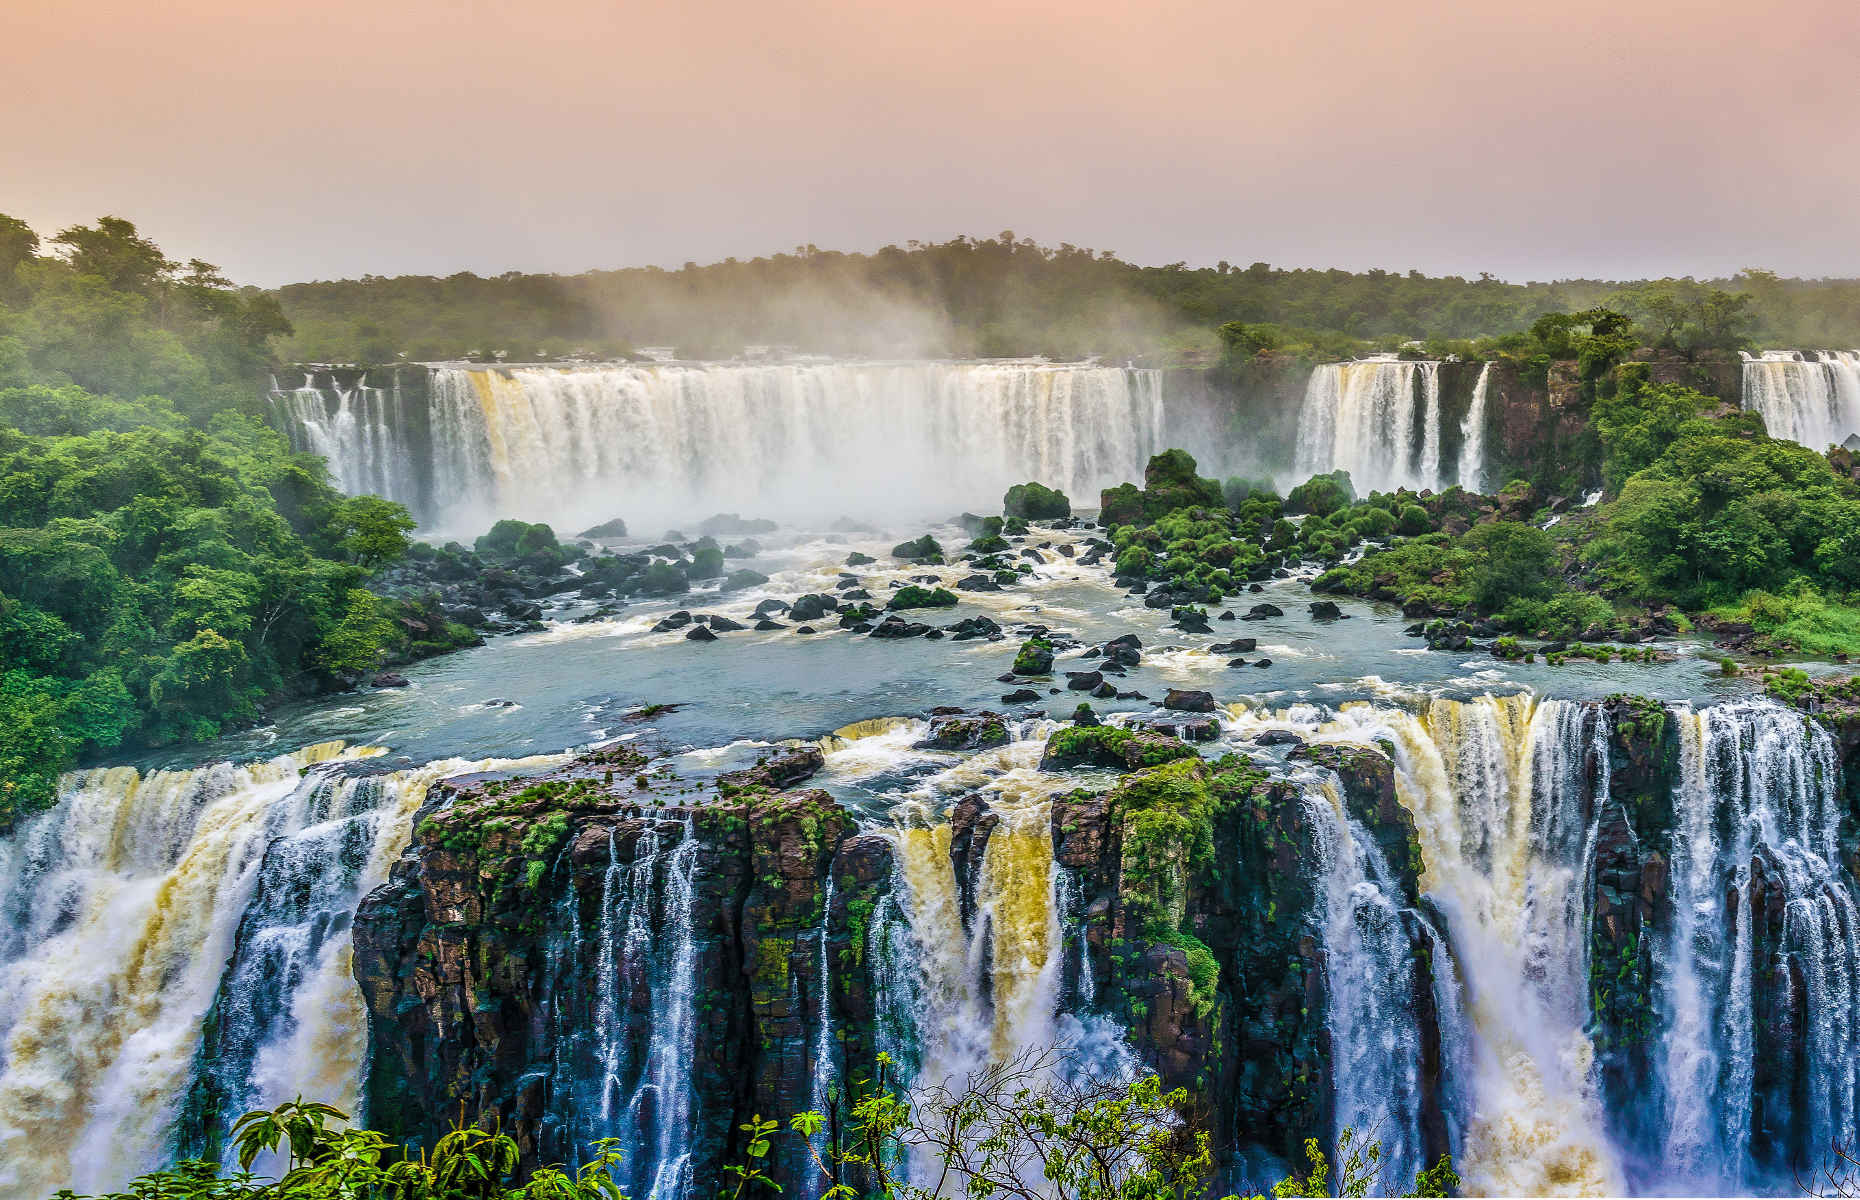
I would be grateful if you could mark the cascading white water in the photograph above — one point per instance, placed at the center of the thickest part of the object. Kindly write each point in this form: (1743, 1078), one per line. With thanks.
(823, 1065)
(646, 944)
(357, 431)
(1370, 979)
(1504, 810)
(122, 906)
(1757, 782)
(1377, 418)
(662, 443)
(1472, 436)
(1809, 397)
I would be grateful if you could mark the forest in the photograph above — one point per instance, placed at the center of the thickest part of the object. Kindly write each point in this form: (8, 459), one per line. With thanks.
(1009, 296)
(167, 565)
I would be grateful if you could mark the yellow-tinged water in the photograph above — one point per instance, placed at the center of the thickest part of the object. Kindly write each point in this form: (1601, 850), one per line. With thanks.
(134, 888)
(1466, 772)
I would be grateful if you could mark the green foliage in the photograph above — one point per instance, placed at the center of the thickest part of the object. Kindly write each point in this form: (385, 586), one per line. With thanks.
(1034, 658)
(1724, 510)
(1170, 482)
(925, 549)
(706, 563)
(1509, 559)
(1358, 1165)
(167, 565)
(912, 596)
(511, 539)
(1035, 502)
(1639, 420)
(1321, 495)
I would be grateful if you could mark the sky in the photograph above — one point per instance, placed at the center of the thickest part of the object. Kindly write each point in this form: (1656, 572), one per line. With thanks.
(1585, 138)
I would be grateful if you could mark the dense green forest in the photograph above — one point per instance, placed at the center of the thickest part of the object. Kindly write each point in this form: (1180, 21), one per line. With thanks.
(1007, 296)
(166, 563)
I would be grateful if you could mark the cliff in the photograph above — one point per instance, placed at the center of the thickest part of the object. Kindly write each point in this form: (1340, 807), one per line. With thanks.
(605, 952)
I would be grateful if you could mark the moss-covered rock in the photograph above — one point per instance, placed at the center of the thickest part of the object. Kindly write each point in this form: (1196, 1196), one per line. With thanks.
(1036, 502)
(912, 596)
(1106, 746)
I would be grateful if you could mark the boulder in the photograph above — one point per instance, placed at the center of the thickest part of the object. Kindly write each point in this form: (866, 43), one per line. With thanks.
(1183, 700)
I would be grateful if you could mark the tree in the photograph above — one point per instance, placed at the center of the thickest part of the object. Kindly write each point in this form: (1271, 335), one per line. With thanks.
(1510, 559)
(373, 531)
(114, 252)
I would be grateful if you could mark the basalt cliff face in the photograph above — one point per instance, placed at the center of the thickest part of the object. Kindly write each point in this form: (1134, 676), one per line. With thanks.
(597, 952)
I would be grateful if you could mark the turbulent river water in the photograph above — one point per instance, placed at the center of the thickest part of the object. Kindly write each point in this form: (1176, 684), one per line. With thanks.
(123, 906)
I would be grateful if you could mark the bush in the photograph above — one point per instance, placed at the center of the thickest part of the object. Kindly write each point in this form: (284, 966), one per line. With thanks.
(1413, 521)
(1321, 495)
(1036, 502)
(917, 597)
(925, 549)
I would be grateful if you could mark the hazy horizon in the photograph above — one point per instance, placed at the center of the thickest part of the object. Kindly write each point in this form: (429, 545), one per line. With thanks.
(295, 143)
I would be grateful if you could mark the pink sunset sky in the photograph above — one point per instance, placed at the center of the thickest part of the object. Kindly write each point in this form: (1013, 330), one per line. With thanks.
(289, 141)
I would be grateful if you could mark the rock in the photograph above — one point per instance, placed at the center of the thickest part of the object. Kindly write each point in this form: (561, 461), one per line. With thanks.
(1020, 696)
(387, 679)
(1189, 701)
(615, 528)
(918, 597)
(1325, 610)
(898, 627)
(1105, 691)
(970, 628)
(733, 525)
(1226, 615)
(856, 559)
(1259, 612)
(1189, 620)
(977, 583)
(1083, 681)
(775, 774)
(1035, 657)
(1084, 716)
(1200, 731)
(805, 629)
(765, 625)
(964, 731)
(700, 633)
(736, 581)
(677, 620)
(812, 607)
(725, 625)
(1236, 646)
(1263, 663)
(1236, 662)
(1278, 737)
(769, 607)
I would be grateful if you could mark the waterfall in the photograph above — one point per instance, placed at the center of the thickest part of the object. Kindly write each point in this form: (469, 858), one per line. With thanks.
(1378, 419)
(1472, 436)
(823, 1066)
(989, 987)
(141, 901)
(1812, 398)
(1757, 816)
(1504, 801)
(661, 443)
(357, 430)
(1370, 977)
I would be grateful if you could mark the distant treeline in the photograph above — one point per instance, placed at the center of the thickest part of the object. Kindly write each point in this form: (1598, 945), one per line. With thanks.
(1008, 296)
